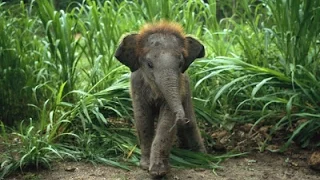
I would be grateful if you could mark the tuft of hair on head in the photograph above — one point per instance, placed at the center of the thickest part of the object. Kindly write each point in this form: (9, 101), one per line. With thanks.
(163, 27)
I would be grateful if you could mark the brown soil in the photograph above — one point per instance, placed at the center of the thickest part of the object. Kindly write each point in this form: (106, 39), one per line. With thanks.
(292, 164)
(255, 166)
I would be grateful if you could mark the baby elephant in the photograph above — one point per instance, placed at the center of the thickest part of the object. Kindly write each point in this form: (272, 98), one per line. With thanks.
(158, 57)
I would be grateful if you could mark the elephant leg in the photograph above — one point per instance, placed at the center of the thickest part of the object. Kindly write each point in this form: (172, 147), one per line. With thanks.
(144, 122)
(161, 146)
(189, 134)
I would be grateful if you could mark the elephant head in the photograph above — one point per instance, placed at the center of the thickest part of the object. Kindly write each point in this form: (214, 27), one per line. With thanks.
(162, 53)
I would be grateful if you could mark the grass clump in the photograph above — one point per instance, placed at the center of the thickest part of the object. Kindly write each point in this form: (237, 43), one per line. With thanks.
(266, 80)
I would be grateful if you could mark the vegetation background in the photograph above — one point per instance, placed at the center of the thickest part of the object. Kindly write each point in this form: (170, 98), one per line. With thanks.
(64, 96)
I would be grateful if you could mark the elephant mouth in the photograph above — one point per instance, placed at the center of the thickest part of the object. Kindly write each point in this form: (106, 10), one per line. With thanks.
(180, 120)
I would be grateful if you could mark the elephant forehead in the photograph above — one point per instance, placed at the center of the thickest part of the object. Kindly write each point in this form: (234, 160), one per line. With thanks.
(159, 40)
(163, 53)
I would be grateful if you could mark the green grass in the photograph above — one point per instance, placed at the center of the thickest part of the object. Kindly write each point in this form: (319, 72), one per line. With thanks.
(69, 98)
(269, 76)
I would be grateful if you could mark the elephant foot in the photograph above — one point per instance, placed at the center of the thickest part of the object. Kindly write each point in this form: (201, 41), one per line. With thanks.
(159, 169)
(144, 163)
(203, 150)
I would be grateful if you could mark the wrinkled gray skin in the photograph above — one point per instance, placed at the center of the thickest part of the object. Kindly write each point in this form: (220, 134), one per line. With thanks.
(160, 91)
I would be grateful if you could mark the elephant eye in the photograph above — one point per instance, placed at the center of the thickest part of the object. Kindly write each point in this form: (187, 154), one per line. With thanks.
(150, 65)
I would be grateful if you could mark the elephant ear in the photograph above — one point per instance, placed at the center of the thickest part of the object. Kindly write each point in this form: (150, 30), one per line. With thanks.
(195, 50)
(126, 52)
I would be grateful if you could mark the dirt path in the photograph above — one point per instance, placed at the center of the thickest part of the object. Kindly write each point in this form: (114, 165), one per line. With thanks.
(255, 166)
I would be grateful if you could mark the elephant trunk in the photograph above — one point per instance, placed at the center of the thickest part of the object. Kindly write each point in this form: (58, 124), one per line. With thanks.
(169, 85)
